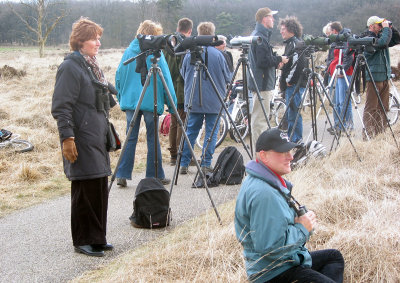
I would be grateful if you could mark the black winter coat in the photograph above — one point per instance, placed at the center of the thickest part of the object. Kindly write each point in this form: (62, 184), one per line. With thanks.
(290, 74)
(263, 61)
(74, 108)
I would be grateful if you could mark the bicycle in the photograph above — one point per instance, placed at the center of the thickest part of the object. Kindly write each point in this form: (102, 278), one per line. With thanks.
(10, 140)
(237, 108)
(394, 105)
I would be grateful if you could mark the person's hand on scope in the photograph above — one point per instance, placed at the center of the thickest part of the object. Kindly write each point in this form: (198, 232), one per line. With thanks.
(308, 220)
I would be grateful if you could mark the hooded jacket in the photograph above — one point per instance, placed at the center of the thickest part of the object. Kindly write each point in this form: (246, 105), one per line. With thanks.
(128, 83)
(263, 62)
(264, 224)
(74, 108)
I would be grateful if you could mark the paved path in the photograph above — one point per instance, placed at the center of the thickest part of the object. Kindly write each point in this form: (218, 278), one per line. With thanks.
(36, 243)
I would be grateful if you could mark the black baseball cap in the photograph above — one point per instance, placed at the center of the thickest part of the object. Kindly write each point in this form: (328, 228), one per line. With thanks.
(274, 139)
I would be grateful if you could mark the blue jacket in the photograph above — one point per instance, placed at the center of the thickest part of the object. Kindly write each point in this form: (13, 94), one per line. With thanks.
(263, 62)
(219, 72)
(128, 83)
(264, 225)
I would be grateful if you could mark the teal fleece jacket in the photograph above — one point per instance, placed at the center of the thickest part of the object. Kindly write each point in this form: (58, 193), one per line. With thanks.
(264, 224)
(128, 83)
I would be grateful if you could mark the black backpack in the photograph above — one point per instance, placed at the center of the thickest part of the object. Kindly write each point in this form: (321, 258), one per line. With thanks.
(151, 205)
(229, 168)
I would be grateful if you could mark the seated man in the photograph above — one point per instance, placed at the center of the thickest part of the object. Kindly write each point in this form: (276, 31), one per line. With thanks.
(272, 230)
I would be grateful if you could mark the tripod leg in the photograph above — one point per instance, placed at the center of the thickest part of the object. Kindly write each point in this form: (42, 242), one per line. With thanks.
(131, 124)
(381, 102)
(221, 100)
(339, 119)
(189, 146)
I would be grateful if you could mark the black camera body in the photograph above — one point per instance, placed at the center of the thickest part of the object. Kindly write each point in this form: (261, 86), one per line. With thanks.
(156, 42)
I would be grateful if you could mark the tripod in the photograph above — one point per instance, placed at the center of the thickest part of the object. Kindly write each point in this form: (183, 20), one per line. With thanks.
(345, 107)
(152, 73)
(199, 68)
(362, 61)
(312, 89)
(244, 63)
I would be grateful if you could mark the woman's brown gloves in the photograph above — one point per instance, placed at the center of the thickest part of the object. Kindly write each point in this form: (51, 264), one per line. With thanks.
(69, 150)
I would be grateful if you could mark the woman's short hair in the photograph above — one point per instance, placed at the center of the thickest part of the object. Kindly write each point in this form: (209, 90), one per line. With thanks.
(83, 30)
(206, 28)
(149, 28)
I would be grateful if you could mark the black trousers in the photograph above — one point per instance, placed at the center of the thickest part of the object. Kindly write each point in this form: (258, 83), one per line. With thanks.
(327, 266)
(89, 203)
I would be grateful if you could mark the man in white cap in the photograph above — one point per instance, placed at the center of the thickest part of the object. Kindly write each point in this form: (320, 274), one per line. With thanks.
(378, 60)
(263, 64)
(272, 228)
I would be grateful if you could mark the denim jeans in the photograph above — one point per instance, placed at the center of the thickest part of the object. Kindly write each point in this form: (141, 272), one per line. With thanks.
(194, 125)
(340, 101)
(292, 113)
(128, 158)
(327, 266)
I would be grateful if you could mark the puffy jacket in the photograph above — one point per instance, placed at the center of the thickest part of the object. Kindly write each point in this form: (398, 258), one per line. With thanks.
(378, 58)
(74, 108)
(264, 225)
(263, 62)
(291, 74)
(128, 83)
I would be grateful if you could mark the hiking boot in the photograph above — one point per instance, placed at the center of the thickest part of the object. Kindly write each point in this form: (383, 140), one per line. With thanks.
(206, 169)
(164, 181)
(172, 161)
(184, 170)
(121, 182)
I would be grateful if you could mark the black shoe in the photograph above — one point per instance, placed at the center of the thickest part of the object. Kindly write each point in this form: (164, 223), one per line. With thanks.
(165, 181)
(105, 247)
(121, 182)
(89, 250)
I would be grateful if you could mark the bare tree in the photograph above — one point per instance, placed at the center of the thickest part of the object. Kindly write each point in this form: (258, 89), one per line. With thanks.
(37, 23)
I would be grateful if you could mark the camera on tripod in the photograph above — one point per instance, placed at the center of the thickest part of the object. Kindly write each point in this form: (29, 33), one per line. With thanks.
(319, 41)
(245, 40)
(156, 42)
(192, 42)
(352, 41)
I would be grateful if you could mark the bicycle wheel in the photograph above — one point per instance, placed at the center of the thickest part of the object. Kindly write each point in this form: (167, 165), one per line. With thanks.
(222, 132)
(394, 107)
(17, 145)
(242, 125)
(280, 108)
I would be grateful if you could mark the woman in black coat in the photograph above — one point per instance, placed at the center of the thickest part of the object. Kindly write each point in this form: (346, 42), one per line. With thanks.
(82, 127)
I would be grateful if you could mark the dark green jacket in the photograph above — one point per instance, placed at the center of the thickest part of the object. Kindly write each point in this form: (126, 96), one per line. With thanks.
(174, 65)
(378, 59)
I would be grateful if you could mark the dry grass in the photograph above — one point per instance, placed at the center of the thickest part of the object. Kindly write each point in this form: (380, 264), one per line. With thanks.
(357, 203)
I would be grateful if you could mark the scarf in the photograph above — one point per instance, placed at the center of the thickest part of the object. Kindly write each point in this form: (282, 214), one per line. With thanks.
(92, 61)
